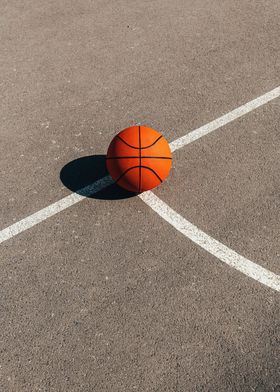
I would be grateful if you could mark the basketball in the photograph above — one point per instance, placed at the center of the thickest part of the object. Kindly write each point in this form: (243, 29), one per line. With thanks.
(139, 159)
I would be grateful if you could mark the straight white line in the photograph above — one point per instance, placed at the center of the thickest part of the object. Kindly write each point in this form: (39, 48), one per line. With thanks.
(211, 245)
(223, 120)
(74, 198)
(53, 209)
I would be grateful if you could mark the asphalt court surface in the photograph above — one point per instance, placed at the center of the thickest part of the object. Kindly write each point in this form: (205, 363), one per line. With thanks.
(106, 295)
(64, 85)
(77, 317)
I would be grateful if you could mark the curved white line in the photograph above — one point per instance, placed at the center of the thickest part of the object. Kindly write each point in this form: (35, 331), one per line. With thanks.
(211, 245)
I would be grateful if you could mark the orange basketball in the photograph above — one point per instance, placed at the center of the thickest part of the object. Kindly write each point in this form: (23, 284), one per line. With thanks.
(139, 158)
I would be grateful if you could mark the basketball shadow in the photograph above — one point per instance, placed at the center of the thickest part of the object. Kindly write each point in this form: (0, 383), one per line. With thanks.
(84, 171)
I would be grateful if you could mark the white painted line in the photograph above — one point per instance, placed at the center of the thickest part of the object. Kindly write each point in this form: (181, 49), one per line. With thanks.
(211, 245)
(223, 120)
(53, 209)
(74, 198)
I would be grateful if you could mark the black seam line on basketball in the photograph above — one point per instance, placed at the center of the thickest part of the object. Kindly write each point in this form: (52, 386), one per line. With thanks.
(139, 180)
(135, 156)
(135, 167)
(137, 148)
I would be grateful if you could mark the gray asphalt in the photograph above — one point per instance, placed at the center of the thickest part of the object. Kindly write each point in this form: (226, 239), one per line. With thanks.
(106, 296)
